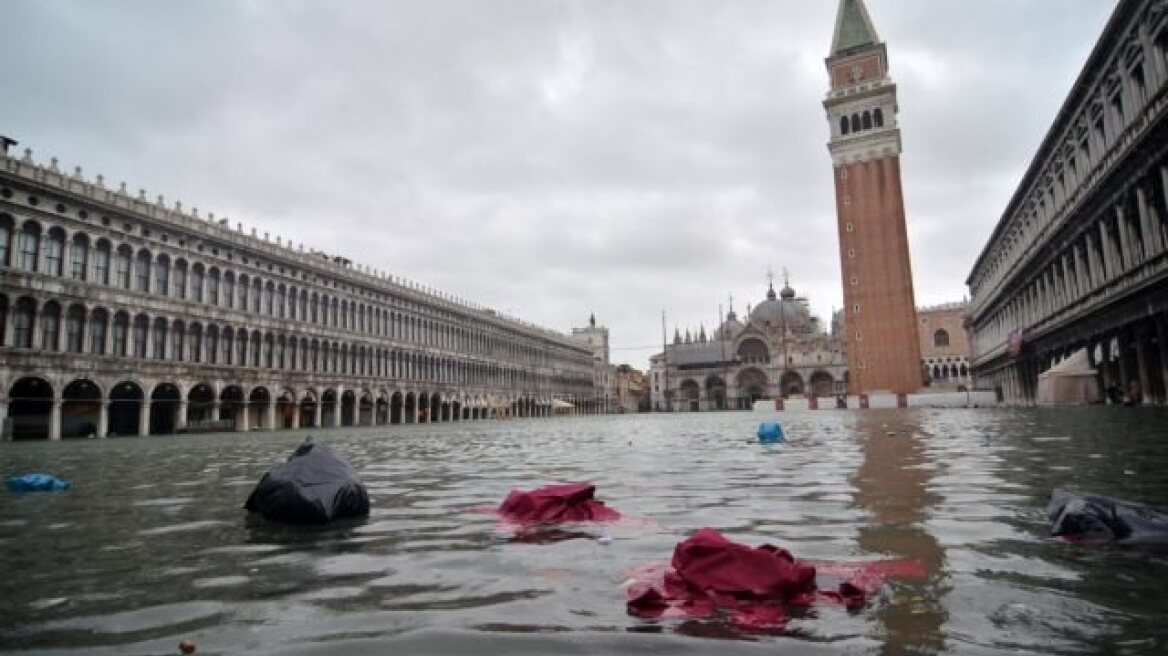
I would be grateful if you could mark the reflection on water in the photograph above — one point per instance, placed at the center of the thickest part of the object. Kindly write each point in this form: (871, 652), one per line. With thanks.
(152, 546)
(892, 486)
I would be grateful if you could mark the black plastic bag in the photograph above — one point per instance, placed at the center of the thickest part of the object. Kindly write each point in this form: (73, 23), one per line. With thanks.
(1105, 520)
(315, 486)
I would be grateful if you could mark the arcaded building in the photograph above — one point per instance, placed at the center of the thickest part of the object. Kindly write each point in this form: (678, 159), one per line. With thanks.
(1079, 258)
(121, 315)
(865, 146)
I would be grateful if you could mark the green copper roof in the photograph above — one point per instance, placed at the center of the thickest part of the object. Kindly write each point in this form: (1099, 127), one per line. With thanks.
(853, 28)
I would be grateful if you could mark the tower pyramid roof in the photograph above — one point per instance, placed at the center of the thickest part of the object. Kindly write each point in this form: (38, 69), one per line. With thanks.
(853, 27)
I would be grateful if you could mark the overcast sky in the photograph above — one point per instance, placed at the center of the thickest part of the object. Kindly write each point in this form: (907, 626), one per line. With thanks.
(547, 158)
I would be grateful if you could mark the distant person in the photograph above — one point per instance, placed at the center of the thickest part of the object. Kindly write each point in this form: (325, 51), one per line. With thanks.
(1134, 394)
(1113, 394)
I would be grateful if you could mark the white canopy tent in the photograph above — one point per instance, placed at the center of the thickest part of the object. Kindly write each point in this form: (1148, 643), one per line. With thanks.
(1070, 382)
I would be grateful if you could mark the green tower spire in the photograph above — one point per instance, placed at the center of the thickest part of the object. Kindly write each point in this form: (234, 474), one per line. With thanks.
(853, 27)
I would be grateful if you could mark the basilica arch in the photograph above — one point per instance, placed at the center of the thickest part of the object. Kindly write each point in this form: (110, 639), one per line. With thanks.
(690, 395)
(791, 384)
(753, 350)
(716, 392)
(752, 385)
(822, 384)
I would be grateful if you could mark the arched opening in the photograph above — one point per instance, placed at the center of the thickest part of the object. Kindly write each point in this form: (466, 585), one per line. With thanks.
(435, 407)
(365, 410)
(200, 401)
(74, 329)
(6, 227)
(423, 408)
(29, 246)
(456, 411)
(867, 120)
(690, 395)
(164, 405)
(845, 128)
(752, 386)
(822, 384)
(855, 122)
(79, 257)
(753, 350)
(231, 406)
(22, 323)
(791, 384)
(258, 402)
(878, 117)
(80, 409)
(936, 372)
(396, 403)
(348, 408)
(50, 325)
(125, 409)
(411, 412)
(381, 412)
(286, 409)
(30, 406)
(716, 392)
(941, 338)
(446, 411)
(328, 408)
(308, 410)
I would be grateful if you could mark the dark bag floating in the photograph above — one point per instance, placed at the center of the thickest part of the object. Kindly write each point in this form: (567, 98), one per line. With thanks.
(554, 504)
(315, 486)
(1089, 518)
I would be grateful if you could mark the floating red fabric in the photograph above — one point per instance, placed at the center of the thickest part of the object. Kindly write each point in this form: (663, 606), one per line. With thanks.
(754, 585)
(554, 504)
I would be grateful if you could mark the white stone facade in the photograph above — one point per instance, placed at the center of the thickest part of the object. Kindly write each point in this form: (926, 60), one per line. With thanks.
(123, 316)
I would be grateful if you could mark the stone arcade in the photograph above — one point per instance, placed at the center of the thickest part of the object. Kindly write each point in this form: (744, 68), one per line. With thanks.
(122, 316)
(1079, 258)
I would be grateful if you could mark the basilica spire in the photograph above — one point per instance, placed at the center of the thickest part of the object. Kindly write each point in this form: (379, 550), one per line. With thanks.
(853, 28)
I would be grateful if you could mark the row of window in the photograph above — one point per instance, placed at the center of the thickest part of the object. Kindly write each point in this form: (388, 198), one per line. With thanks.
(1121, 94)
(859, 122)
(103, 332)
(99, 262)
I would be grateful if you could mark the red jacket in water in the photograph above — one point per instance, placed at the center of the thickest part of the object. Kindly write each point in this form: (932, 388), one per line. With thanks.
(756, 585)
(554, 504)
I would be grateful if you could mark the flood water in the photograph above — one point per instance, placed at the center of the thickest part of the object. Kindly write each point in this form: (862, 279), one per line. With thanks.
(151, 546)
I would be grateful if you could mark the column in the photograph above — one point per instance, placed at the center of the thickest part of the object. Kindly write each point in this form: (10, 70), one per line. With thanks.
(215, 410)
(338, 406)
(1162, 340)
(1092, 262)
(3, 417)
(103, 420)
(181, 423)
(270, 411)
(295, 416)
(1124, 375)
(8, 321)
(1081, 285)
(55, 420)
(241, 419)
(316, 413)
(1147, 224)
(1109, 266)
(144, 417)
(1127, 251)
(1141, 362)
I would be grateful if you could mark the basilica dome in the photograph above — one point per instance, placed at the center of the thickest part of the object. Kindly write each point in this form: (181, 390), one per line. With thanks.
(782, 310)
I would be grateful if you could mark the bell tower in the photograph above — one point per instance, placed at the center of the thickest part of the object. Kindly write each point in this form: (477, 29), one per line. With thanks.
(879, 308)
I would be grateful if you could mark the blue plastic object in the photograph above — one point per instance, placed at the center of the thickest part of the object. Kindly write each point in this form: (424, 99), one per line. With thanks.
(770, 432)
(37, 483)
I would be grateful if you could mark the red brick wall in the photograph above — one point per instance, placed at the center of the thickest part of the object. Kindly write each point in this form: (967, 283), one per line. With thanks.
(883, 345)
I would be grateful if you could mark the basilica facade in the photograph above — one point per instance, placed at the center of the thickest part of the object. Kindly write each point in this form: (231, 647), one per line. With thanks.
(780, 350)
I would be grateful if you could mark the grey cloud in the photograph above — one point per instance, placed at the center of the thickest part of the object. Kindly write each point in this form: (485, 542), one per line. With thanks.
(549, 158)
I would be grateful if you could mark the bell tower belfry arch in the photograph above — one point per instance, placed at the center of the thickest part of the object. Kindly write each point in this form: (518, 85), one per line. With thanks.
(879, 306)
